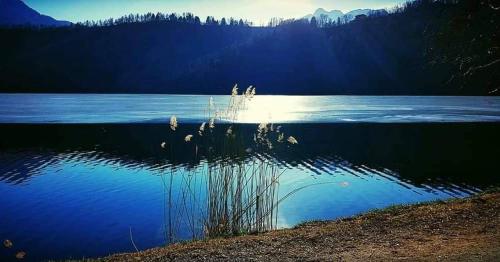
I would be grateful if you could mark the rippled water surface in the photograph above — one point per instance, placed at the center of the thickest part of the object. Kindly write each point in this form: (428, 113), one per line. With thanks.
(74, 185)
(99, 108)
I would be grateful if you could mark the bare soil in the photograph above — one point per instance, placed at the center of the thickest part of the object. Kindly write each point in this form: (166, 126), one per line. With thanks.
(456, 230)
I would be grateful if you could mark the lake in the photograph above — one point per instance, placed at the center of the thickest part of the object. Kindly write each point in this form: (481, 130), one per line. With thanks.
(98, 108)
(81, 174)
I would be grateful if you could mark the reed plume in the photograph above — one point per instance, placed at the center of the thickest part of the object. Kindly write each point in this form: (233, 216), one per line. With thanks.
(211, 123)
(281, 137)
(188, 138)
(202, 128)
(234, 91)
(173, 123)
(292, 140)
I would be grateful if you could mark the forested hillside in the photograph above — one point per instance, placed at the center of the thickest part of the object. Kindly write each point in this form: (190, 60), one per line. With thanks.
(424, 47)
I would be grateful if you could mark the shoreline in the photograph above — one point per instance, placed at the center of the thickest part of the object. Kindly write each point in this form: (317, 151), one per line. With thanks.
(455, 230)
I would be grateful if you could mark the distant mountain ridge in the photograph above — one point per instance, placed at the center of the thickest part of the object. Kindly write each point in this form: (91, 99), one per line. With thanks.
(333, 14)
(336, 14)
(17, 13)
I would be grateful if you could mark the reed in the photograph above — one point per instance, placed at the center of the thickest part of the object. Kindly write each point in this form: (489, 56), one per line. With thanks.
(230, 194)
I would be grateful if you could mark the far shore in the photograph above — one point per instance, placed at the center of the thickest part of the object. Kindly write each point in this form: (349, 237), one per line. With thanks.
(455, 230)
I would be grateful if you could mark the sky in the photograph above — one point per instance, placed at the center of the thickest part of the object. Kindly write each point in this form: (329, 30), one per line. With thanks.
(257, 11)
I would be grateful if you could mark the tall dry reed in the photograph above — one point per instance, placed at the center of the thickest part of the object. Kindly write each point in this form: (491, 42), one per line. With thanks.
(230, 195)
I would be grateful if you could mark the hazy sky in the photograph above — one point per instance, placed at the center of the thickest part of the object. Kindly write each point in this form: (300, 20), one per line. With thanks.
(257, 11)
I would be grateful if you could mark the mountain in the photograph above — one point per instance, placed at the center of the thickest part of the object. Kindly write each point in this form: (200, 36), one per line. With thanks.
(349, 16)
(356, 12)
(367, 12)
(16, 13)
(333, 14)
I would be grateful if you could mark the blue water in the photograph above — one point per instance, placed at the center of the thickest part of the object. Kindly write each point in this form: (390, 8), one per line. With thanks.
(98, 108)
(78, 186)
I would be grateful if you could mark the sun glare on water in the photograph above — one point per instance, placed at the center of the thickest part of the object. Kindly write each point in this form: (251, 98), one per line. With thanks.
(272, 109)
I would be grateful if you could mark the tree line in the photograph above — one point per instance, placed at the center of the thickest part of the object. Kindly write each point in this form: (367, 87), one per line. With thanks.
(187, 18)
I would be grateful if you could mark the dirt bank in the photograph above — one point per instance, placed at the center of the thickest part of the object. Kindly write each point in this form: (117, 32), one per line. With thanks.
(457, 230)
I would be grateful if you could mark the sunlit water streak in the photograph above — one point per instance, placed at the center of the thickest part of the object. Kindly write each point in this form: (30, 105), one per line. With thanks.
(116, 108)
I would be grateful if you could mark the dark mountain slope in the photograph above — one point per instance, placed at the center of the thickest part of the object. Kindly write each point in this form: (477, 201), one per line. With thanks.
(17, 13)
(424, 48)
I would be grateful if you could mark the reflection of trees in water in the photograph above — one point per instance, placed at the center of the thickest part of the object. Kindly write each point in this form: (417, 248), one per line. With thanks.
(433, 154)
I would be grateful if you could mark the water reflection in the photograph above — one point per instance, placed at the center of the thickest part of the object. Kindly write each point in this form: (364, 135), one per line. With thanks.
(89, 184)
(415, 153)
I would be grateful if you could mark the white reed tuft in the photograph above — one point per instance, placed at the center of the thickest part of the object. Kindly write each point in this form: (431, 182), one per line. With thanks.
(262, 128)
(211, 123)
(234, 92)
(188, 138)
(7, 243)
(281, 137)
(248, 92)
(202, 129)
(173, 123)
(292, 140)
